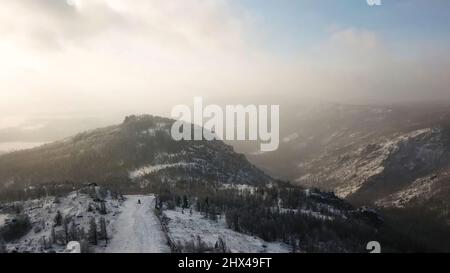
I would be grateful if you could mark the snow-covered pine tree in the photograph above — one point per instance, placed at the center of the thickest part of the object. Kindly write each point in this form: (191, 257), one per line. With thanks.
(66, 229)
(2, 245)
(103, 231)
(92, 233)
(58, 219)
(103, 208)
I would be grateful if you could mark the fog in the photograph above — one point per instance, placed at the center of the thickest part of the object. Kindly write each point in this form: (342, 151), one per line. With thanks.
(99, 60)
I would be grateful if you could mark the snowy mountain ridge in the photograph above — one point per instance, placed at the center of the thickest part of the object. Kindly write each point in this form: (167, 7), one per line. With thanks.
(362, 152)
(381, 167)
(131, 155)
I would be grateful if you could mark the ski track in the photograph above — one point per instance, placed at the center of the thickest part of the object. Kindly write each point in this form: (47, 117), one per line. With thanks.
(137, 229)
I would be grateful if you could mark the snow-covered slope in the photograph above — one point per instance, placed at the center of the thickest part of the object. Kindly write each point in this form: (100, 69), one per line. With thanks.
(137, 229)
(362, 152)
(77, 210)
(129, 155)
(131, 226)
(186, 227)
(430, 191)
(400, 158)
(131, 223)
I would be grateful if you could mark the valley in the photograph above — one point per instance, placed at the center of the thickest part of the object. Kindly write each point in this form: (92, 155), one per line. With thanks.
(204, 197)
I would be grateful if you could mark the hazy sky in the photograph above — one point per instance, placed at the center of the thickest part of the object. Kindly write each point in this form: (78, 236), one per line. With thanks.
(91, 57)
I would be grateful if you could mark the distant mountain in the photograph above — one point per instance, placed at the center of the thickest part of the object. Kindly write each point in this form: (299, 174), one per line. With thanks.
(130, 155)
(139, 156)
(395, 155)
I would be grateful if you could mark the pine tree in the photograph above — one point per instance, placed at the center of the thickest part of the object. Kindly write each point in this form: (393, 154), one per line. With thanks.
(66, 229)
(185, 202)
(2, 245)
(103, 208)
(221, 246)
(293, 243)
(92, 234)
(52, 236)
(103, 231)
(58, 219)
(213, 213)
(44, 242)
(73, 233)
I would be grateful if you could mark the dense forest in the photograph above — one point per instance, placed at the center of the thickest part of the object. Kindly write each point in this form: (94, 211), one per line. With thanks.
(307, 220)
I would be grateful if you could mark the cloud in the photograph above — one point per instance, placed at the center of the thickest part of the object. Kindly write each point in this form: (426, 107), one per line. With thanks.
(72, 55)
(193, 23)
(360, 66)
(48, 24)
(97, 56)
(355, 39)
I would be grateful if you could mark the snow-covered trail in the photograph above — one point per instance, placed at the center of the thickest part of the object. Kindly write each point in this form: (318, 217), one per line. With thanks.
(137, 229)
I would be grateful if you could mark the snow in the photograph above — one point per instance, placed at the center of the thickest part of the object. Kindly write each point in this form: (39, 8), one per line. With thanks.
(310, 213)
(421, 187)
(140, 172)
(42, 213)
(186, 227)
(315, 214)
(242, 188)
(350, 171)
(138, 230)
(131, 227)
(3, 218)
(159, 127)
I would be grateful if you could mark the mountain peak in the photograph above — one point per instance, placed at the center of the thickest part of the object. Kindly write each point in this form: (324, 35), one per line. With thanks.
(133, 154)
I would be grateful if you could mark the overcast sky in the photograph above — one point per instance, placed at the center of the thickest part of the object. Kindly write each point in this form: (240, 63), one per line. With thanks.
(88, 57)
